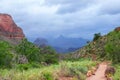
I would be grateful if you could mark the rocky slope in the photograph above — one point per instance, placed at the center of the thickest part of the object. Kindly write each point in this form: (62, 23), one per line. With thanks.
(97, 47)
(8, 29)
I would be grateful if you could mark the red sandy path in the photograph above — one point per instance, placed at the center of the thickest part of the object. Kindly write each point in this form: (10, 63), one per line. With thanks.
(66, 78)
(99, 75)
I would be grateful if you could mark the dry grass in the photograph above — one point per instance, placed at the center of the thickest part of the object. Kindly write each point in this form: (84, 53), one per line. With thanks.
(73, 70)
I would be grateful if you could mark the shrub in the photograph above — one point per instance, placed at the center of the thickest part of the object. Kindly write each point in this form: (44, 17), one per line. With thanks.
(72, 70)
(35, 54)
(112, 47)
(29, 50)
(117, 74)
(47, 76)
(96, 36)
(28, 66)
(5, 54)
(50, 56)
(23, 66)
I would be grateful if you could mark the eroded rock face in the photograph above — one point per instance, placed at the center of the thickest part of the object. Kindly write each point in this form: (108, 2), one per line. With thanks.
(117, 29)
(9, 29)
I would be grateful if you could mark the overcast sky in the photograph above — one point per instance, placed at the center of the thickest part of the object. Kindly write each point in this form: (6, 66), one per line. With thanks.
(72, 18)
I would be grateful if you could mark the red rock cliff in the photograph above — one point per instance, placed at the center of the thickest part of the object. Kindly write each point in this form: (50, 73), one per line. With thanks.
(9, 29)
(117, 29)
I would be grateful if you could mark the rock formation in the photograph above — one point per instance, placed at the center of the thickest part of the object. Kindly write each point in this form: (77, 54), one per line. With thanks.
(9, 29)
(117, 29)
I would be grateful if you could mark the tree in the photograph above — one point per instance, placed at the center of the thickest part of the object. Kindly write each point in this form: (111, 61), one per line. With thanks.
(35, 54)
(29, 50)
(96, 36)
(5, 54)
(50, 56)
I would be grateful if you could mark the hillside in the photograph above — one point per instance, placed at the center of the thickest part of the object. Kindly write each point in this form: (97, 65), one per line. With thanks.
(101, 47)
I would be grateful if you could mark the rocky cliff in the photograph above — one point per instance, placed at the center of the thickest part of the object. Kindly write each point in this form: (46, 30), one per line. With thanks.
(117, 29)
(9, 29)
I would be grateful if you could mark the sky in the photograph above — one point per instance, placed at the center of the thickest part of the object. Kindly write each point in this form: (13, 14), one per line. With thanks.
(70, 18)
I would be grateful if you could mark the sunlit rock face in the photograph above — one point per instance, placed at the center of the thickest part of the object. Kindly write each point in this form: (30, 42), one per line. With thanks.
(117, 29)
(9, 29)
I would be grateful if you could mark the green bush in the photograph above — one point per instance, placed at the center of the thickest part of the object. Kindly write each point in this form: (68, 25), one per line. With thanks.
(5, 54)
(117, 74)
(50, 56)
(23, 66)
(28, 66)
(47, 76)
(73, 69)
(112, 47)
(35, 54)
(96, 36)
(29, 50)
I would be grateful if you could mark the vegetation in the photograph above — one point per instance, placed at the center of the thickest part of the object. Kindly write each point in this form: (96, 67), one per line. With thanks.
(26, 61)
(29, 50)
(35, 63)
(117, 74)
(49, 55)
(96, 36)
(25, 55)
(75, 70)
(112, 46)
(5, 54)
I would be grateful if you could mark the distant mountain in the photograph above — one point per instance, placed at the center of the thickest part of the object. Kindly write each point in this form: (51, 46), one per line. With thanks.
(62, 44)
(65, 50)
(68, 42)
(41, 42)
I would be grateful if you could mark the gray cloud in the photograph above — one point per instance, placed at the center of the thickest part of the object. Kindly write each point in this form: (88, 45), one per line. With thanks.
(69, 6)
(80, 18)
(109, 7)
(64, 2)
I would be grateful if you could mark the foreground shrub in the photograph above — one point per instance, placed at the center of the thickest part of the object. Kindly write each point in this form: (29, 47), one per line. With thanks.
(47, 76)
(73, 70)
(27, 66)
(5, 54)
(117, 74)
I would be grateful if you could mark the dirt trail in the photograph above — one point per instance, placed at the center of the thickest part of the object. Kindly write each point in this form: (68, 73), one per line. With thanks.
(99, 75)
(66, 78)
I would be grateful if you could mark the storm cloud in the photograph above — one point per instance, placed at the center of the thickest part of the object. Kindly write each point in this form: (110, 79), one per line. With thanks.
(72, 18)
